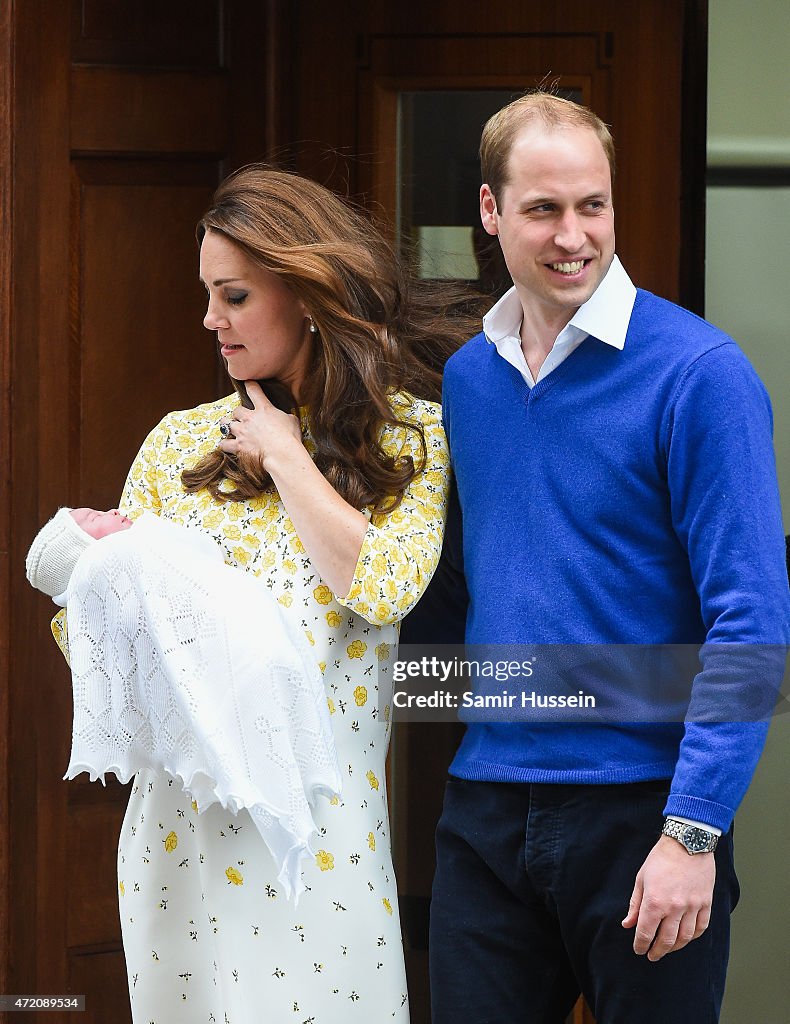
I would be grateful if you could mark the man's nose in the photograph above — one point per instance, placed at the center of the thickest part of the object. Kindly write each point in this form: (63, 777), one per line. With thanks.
(570, 234)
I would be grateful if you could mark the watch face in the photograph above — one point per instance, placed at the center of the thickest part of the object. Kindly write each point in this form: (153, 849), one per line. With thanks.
(695, 839)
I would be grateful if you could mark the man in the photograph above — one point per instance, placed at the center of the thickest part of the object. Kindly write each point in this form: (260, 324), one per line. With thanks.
(617, 486)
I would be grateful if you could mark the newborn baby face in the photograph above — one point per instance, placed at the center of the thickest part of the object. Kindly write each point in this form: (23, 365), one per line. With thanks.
(100, 524)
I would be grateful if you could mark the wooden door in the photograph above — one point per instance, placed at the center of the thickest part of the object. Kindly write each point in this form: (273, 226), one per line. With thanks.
(642, 68)
(121, 119)
(118, 119)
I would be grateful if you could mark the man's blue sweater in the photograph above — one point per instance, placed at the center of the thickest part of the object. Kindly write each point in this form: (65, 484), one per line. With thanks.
(629, 497)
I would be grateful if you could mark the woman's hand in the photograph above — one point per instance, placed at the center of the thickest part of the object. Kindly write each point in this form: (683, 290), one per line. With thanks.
(331, 530)
(264, 431)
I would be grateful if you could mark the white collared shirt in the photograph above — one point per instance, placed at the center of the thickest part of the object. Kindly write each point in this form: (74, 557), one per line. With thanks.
(605, 315)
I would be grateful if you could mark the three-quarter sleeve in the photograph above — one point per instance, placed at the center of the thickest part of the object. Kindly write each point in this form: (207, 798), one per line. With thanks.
(401, 549)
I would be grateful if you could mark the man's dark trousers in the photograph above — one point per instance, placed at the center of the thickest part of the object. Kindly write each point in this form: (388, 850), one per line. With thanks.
(532, 883)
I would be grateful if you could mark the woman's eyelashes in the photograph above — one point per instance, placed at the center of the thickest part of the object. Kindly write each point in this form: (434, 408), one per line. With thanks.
(236, 298)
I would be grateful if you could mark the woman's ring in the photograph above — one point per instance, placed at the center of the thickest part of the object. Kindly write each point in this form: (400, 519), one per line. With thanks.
(224, 429)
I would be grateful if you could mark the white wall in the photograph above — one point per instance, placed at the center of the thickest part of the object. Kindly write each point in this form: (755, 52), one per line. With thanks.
(748, 230)
(748, 112)
(748, 294)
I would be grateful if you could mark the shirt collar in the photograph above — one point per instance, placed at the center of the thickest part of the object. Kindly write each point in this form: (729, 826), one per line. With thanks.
(605, 315)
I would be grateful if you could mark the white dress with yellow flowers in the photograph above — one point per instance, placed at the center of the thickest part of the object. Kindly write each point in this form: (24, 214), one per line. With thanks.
(208, 935)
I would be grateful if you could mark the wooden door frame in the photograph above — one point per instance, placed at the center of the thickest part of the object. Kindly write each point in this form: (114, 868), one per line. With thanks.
(35, 130)
(693, 155)
(377, 99)
(6, 246)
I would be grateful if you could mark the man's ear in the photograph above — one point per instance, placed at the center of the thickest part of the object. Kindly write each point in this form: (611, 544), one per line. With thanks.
(488, 211)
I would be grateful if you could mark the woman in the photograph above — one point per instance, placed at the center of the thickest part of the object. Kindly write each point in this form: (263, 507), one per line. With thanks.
(339, 508)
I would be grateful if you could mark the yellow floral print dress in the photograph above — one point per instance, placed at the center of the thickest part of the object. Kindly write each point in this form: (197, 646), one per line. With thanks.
(207, 934)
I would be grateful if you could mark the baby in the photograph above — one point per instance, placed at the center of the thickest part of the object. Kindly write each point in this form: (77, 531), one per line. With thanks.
(59, 544)
(166, 676)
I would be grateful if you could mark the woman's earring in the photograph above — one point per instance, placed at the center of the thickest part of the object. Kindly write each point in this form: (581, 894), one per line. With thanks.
(313, 325)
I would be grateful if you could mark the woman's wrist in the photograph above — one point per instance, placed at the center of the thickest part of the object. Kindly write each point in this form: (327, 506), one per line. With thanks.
(285, 457)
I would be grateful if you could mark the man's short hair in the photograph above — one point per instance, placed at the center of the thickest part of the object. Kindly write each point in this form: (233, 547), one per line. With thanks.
(554, 112)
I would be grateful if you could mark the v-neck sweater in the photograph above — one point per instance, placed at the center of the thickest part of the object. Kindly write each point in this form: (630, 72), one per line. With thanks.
(629, 497)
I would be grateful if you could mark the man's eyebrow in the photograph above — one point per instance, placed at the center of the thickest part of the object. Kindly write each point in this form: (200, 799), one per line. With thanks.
(528, 201)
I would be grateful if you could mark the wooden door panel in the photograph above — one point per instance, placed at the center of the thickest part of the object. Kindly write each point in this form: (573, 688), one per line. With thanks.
(100, 974)
(119, 110)
(125, 117)
(91, 845)
(147, 33)
(139, 308)
(529, 55)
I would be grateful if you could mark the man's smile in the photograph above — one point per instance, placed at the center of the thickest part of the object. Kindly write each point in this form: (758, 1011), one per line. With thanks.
(571, 268)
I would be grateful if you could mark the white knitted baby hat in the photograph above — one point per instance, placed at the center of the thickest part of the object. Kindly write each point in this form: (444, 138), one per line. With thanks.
(54, 553)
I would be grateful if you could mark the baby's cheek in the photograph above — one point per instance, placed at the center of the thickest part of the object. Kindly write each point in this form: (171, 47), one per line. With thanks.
(109, 524)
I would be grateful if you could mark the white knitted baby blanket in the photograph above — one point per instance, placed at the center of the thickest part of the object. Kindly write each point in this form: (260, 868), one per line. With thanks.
(184, 664)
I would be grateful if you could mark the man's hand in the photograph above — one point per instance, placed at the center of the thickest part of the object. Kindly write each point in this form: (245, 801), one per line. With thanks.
(671, 900)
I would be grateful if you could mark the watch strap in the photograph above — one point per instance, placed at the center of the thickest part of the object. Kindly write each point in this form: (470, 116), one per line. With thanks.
(691, 837)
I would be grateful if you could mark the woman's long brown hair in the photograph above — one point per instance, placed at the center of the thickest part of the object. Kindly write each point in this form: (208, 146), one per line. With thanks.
(379, 332)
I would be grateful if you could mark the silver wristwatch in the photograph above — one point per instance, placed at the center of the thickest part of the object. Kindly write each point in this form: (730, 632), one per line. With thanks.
(691, 837)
